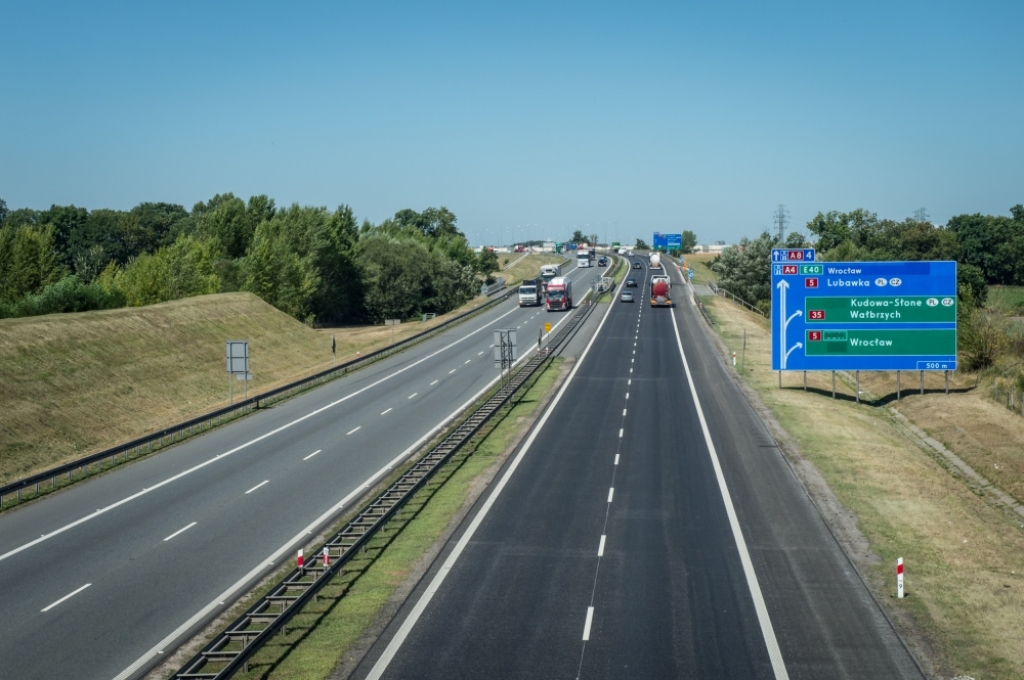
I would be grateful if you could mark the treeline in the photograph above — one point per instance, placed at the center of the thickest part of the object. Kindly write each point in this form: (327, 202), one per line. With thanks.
(312, 263)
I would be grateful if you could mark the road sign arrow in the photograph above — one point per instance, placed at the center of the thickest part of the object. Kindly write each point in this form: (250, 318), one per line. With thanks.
(796, 346)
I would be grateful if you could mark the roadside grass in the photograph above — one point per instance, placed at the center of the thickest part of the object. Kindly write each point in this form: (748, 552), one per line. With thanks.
(701, 265)
(1007, 300)
(618, 273)
(527, 268)
(325, 633)
(965, 600)
(78, 383)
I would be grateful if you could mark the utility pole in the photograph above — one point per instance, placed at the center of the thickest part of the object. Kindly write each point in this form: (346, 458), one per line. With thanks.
(781, 219)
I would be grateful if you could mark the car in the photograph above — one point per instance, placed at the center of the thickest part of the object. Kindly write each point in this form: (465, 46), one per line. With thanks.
(636, 265)
(627, 296)
(630, 283)
(603, 262)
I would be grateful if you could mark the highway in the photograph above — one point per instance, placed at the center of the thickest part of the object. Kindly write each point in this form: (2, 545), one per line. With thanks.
(647, 527)
(101, 580)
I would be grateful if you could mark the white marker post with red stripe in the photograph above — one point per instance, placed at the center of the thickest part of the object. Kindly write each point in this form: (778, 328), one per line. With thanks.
(326, 559)
(899, 577)
(300, 561)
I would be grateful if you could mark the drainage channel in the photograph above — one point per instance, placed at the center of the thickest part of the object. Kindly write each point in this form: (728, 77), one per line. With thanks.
(231, 649)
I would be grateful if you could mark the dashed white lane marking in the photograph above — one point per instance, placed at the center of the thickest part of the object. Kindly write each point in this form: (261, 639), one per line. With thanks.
(66, 597)
(629, 382)
(180, 531)
(616, 459)
(632, 360)
(611, 494)
(265, 481)
(312, 454)
(627, 395)
(357, 428)
(468, 360)
(600, 547)
(383, 412)
(433, 383)
(586, 626)
(479, 353)
(631, 370)
(621, 430)
(623, 413)
(412, 395)
(452, 371)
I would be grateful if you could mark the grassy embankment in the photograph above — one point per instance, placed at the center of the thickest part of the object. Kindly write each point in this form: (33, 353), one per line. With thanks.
(77, 383)
(527, 268)
(327, 632)
(965, 606)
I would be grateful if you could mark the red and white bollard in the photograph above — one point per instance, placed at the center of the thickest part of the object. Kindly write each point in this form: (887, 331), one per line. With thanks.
(734, 358)
(899, 577)
(326, 559)
(299, 561)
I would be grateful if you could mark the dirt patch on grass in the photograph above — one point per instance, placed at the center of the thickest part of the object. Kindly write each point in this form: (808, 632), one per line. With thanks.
(965, 558)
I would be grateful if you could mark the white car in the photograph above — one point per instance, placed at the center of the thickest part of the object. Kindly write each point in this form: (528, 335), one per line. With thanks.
(627, 296)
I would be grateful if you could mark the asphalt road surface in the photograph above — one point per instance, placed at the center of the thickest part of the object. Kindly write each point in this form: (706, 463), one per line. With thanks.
(99, 581)
(644, 529)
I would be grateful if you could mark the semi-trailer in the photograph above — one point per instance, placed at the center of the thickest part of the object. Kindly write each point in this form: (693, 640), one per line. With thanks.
(531, 293)
(559, 294)
(661, 291)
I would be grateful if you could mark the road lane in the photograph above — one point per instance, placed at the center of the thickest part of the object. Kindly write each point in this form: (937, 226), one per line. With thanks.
(246, 505)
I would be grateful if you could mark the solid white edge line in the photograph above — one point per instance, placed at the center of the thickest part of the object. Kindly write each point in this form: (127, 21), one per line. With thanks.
(600, 547)
(265, 481)
(312, 454)
(179, 531)
(315, 525)
(611, 494)
(410, 621)
(192, 469)
(774, 653)
(66, 597)
(586, 625)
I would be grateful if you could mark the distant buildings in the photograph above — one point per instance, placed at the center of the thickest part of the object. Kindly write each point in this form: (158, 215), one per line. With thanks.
(716, 247)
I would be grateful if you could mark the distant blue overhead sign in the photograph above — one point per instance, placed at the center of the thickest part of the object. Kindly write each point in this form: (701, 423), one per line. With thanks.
(881, 316)
(667, 241)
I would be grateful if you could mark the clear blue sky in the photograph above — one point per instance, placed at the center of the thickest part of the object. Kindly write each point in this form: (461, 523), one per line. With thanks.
(631, 118)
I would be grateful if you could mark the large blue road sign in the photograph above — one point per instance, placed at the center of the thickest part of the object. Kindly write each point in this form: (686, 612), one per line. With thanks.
(868, 316)
(667, 241)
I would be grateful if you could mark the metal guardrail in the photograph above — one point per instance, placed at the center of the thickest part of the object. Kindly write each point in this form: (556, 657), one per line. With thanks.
(717, 290)
(231, 649)
(704, 312)
(177, 432)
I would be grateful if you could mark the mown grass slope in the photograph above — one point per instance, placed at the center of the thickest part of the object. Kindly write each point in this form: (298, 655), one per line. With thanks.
(71, 384)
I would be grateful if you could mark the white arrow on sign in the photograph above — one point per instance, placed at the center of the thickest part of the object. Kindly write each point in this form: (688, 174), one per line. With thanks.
(783, 285)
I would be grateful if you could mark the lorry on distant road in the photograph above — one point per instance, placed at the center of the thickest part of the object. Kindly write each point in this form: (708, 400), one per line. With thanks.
(531, 293)
(559, 294)
(655, 262)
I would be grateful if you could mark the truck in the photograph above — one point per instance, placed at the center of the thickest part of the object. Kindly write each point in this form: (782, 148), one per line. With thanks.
(531, 293)
(655, 262)
(661, 291)
(559, 294)
(583, 258)
(548, 272)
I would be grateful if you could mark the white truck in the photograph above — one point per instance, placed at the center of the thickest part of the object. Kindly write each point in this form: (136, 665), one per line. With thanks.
(530, 293)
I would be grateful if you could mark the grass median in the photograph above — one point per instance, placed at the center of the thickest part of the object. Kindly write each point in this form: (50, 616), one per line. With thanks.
(362, 596)
(964, 610)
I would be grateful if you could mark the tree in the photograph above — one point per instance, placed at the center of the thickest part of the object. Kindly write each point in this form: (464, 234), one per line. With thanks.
(795, 239)
(577, 237)
(27, 261)
(3, 211)
(642, 244)
(182, 269)
(746, 271)
(688, 242)
(487, 262)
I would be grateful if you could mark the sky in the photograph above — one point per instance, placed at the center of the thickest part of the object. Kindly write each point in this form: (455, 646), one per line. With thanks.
(527, 120)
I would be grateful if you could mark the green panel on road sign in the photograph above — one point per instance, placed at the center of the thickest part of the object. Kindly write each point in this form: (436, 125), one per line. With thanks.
(812, 269)
(870, 309)
(882, 342)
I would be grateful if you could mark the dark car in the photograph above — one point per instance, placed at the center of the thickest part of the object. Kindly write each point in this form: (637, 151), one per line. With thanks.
(603, 262)
(636, 265)
(630, 283)
(627, 296)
